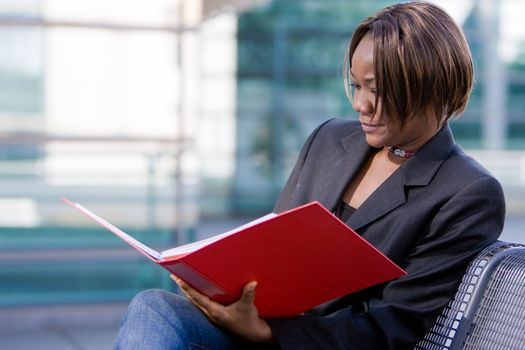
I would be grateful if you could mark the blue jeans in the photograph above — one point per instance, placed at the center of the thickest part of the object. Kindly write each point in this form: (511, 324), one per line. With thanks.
(157, 319)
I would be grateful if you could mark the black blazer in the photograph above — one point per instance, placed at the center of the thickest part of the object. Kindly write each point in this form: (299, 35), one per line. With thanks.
(432, 216)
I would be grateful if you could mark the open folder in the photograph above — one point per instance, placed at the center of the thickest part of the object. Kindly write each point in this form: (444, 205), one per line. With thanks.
(300, 258)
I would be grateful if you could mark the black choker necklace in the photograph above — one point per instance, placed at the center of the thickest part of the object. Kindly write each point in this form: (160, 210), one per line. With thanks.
(401, 152)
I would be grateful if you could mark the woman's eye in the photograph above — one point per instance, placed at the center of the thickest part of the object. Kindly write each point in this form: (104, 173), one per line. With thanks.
(355, 86)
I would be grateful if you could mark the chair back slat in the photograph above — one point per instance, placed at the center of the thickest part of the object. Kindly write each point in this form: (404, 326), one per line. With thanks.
(484, 312)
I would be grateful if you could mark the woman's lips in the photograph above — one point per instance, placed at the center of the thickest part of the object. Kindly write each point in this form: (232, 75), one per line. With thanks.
(369, 128)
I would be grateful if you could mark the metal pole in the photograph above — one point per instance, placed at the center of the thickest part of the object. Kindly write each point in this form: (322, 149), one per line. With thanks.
(279, 72)
(494, 112)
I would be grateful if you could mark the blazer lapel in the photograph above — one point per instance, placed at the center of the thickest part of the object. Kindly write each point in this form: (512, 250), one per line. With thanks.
(388, 196)
(417, 171)
(344, 165)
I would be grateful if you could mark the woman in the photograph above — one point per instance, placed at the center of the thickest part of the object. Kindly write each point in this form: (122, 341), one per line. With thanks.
(395, 176)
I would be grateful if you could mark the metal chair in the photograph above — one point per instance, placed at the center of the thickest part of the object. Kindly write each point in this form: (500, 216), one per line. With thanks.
(488, 310)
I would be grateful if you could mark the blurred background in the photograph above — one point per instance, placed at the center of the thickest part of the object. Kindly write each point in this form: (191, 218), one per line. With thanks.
(179, 119)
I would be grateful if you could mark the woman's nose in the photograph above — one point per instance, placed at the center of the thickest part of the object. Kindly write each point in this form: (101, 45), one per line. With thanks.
(360, 104)
(356, 105)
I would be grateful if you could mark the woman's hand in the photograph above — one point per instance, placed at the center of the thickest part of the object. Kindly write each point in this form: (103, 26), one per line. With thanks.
(241, 317)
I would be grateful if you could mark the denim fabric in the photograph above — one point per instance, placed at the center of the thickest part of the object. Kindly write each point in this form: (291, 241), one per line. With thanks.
(157, 319)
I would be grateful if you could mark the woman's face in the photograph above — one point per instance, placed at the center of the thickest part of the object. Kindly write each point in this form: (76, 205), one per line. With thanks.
(380, 131)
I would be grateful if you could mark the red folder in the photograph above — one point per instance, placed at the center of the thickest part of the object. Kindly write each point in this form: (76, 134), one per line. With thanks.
(300, 258)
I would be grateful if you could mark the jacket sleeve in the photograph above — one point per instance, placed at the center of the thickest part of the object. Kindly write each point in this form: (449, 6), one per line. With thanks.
(404, 309)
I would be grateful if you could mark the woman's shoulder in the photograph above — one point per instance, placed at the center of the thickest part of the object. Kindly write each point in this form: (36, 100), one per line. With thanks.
(467, 165)
(462, 173)
(449, 159)
(337, 127)
(339, 124)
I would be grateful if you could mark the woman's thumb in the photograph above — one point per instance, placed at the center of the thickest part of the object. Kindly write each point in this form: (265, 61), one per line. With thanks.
(248, 294)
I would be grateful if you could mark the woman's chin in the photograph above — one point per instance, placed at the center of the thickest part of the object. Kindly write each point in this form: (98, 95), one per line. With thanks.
(375, 142)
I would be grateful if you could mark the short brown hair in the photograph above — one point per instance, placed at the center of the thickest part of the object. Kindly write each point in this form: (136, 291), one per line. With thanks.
(422, 61)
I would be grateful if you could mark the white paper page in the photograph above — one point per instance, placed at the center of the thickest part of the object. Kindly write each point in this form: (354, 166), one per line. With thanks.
(199, 244)
(123, 235)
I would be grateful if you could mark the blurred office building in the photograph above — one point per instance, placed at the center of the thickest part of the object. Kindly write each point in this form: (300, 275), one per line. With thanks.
(162, 115)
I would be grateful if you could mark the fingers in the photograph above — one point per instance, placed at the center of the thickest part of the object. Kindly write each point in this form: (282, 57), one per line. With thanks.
(180, 283)
(185, 288)
(210, 308)
(240, 317)
(215, 312)
(247, 297)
